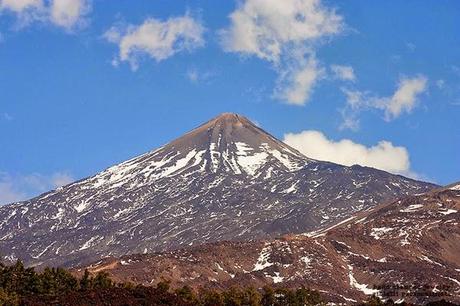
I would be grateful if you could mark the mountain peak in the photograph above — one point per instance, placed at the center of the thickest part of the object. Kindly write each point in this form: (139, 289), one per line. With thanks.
(228, 116)
(227, 121)
(228, 139)
(232, 118)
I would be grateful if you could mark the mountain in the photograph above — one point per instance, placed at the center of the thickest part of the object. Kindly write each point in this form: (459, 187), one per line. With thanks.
(407, 250)
(225, 180)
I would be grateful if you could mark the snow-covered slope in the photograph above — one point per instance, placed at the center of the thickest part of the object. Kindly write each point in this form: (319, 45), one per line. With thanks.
(225, 180)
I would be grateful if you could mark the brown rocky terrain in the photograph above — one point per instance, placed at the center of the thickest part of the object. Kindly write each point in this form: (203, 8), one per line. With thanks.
(404, 250)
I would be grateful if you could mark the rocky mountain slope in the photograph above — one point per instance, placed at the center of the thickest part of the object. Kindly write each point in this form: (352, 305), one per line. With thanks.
(225, 180)
(405, 250)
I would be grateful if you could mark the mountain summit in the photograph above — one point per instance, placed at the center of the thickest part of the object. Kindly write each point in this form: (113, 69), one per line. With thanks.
(232, 143)
(232, 132)
(229, 143)
(225, 180)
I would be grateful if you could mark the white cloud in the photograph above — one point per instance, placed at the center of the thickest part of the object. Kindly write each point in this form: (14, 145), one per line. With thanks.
(157, 39)
(300, 82)
(344, 73)
(404, 99)
(384, 155)
(265, 27)
(26, 11)
(284, 33)
(355, 98)
(67, 14)
(15, 188)
(355, 101)
(19, 6)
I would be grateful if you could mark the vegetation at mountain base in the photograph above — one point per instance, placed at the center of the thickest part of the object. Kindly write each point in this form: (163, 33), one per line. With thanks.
(376, 301)
(20, 285)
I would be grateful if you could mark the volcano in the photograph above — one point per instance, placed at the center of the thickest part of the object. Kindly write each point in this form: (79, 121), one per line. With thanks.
(225, 180)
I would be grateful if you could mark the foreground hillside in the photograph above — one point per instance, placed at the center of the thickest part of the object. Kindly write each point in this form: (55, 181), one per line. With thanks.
(57, 287)
(225, 180)
(24, 286)
(407, 250)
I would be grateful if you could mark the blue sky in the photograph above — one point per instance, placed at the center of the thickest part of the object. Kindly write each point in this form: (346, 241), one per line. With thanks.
(87, 84)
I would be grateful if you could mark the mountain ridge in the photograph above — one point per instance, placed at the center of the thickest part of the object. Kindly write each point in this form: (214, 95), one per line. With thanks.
(226, 179)
(406, 250)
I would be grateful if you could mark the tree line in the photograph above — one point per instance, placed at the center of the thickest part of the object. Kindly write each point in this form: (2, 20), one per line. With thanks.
(18, 282)
(20, 285)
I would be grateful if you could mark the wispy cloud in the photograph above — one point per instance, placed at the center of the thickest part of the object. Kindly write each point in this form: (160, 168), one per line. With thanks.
(66, 14)
(15, 188)
(196, 76)
(296, 83)
(156, 39)
(286, 34)
(344, 73)
(403, 100)
(255, 94)
(405, 97)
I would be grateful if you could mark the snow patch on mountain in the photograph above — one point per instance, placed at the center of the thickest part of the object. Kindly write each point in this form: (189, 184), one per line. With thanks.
(378, 232)
(361, 287)
(411, 208)
(263, 260)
